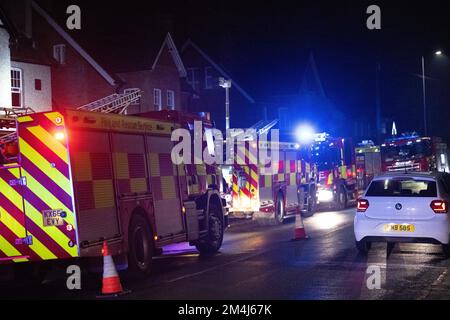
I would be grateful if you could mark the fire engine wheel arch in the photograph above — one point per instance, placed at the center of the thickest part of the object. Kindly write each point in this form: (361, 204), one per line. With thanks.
(280, 210)
(213, 241)
(141, 247)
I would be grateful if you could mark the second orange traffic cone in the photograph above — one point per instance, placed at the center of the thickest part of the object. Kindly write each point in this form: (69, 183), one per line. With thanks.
(299, 229)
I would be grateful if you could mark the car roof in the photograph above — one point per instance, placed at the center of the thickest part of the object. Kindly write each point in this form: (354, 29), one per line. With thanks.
(411, 174)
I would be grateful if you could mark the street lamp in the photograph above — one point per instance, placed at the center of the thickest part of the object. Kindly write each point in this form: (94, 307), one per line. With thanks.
(437, 53)
(226, 84)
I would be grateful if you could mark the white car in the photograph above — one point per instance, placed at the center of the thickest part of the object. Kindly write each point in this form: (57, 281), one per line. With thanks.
(404, 207)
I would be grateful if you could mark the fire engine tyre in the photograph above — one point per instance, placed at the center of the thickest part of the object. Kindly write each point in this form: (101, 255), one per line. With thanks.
(279, 209)
(212, 243)
(312, 203)
(141, 247)
(341, 199)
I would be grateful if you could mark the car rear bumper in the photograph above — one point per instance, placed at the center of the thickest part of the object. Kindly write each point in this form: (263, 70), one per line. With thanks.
(435, 230)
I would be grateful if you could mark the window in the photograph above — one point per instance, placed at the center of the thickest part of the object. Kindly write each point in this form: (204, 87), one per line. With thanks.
(171, 99)
(16, 87)
(131, 90)
(208, 78)
(191, 77)
(157, 98)
(37, 84)
(59, 53)
(402, 187)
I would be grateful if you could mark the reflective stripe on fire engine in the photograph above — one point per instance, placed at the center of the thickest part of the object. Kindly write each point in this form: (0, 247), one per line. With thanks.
(330, 178)
(163, 175)
(343, 172)
(45, 166)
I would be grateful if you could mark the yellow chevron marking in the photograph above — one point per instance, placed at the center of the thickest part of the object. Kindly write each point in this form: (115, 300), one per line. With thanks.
(49, 140)
(11, 194)
(36, 217)
(52, 117)
(57, 235)
(10, 251)
(254, 175)
(252, 158)
(41, 250)
(24, 119)
(42, 163)
(47, 196)
(12, 224)
(240, 160)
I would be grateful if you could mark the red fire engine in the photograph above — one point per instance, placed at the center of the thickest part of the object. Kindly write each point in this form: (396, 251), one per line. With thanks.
(368, 163)
(336, 167)
(276, 194)
(410, 152)
(84, 177)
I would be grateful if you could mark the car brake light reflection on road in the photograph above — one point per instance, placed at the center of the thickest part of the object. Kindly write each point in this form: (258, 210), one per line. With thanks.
(439, 206)
(362, 205)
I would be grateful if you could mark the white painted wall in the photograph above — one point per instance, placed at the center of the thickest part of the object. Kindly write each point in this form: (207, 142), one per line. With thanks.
(5, 69)
(37, 100)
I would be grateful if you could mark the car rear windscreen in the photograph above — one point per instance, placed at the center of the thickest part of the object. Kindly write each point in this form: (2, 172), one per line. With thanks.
(402, 187)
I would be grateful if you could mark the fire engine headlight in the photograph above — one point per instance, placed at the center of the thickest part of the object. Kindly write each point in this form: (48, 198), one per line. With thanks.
(324, 195)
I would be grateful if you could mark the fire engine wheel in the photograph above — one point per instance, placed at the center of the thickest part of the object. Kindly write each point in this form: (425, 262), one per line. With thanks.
(212, 243)
(141, 248)
(311, 206)
(279, 210)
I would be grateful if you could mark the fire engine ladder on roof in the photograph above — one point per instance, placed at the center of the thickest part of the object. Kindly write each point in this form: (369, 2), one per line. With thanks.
(264, 126)
(8, 118)
(115, 103)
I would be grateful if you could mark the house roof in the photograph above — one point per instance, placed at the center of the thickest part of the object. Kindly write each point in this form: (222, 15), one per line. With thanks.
(219, 69)
(73, 44)
(5, 23)
(311, 81)
(145, 55)
(168, 41)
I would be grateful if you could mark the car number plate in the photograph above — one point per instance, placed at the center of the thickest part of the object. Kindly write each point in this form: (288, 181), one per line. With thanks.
(399, 228)
(52, 218)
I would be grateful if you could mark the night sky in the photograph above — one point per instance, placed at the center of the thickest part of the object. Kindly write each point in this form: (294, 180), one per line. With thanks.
(265, 45)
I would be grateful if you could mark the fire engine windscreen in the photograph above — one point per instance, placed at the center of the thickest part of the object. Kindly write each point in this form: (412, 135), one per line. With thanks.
(410, 150)
(325, 156)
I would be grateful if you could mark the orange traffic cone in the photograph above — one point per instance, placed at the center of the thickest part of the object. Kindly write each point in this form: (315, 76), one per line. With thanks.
(111, 281)
(299, 230)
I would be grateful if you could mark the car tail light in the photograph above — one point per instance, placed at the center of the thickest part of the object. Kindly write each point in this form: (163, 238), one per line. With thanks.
(439, 206)
(362, 205)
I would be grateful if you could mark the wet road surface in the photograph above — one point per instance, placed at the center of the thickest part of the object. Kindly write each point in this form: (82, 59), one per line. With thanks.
(259, 261)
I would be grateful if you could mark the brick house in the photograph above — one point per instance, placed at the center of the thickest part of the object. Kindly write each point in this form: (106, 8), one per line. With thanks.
(203, 74)
(159, 75)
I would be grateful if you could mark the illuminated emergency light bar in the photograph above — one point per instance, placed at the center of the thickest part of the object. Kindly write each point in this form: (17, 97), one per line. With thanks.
(320, 137)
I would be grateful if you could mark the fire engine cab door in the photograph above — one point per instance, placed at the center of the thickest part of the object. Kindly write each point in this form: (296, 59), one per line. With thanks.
(13, 233)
